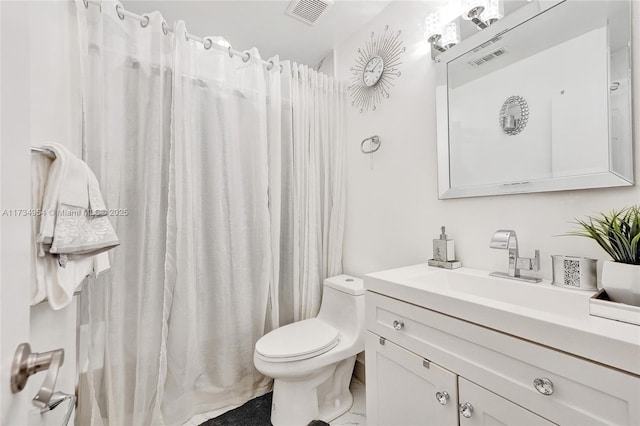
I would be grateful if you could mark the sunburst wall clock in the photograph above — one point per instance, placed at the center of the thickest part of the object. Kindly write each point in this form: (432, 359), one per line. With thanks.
(375, 69)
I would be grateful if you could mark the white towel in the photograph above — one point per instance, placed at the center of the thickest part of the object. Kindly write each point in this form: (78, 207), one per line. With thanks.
(74, 232)
(40, 166)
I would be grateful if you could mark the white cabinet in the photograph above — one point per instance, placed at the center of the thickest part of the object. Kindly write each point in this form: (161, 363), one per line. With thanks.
(499, 370)
(480, 407)
(405, 389)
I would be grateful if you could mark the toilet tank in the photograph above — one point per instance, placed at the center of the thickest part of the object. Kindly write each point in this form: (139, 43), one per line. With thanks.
(343, 303)
(346, 284)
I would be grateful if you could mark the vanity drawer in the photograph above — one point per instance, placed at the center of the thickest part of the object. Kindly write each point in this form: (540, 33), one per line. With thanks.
(584, 392)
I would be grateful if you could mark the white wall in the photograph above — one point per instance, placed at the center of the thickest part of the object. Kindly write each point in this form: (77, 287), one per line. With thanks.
(393, 211)
(47, 76)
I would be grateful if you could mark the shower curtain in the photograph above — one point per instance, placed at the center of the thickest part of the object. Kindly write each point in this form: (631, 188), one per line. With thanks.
(225, 180)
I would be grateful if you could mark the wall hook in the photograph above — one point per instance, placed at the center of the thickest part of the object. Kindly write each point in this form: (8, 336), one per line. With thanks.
(374, 142)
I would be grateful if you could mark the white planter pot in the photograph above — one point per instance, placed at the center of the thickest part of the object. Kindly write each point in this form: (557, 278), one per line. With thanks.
(622, 282)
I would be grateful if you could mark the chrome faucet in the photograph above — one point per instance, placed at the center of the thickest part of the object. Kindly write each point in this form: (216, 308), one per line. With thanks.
(507, 240)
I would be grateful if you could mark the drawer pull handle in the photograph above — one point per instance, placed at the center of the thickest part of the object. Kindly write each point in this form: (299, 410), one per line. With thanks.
(398, 325)
(543, 385)
(466, 409)
(442, 397)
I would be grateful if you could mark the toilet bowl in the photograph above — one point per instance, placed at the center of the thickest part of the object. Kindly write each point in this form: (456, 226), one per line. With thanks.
(311, 361)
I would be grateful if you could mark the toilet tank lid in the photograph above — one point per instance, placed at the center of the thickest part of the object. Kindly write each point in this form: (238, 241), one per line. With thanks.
(346, 284)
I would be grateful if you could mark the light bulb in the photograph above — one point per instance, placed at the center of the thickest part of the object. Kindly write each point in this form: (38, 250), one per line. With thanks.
(450, 35)
(472, 9)
(432, 27)
(494, 10)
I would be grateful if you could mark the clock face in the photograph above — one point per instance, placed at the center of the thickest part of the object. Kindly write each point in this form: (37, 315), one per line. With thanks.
(375, 68)
(372, 71)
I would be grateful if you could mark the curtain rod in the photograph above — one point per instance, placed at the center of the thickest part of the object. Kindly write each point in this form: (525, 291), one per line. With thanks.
(206, 42)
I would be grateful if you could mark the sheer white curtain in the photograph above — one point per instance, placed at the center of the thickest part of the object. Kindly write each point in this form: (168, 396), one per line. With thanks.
(228, 186)
(220, 264)
(311, 188)
(127, 82)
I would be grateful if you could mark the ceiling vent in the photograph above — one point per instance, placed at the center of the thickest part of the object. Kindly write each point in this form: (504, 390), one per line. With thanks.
(488, 57)
(308, 11)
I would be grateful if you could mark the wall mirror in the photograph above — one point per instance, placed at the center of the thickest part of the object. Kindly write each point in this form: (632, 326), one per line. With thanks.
(539, 101)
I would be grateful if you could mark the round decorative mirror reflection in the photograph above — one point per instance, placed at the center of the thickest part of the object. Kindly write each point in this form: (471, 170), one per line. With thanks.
(514, 115)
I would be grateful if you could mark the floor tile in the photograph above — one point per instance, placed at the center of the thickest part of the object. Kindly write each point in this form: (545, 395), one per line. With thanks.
(355, 416)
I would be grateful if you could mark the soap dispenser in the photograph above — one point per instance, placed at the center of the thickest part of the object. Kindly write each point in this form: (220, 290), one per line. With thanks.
(444, 252)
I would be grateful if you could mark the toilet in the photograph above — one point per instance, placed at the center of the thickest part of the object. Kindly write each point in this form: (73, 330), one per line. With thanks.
(311, 361)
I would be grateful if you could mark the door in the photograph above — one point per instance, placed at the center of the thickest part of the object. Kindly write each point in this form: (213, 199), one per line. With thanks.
(405, 389)
(478, 406)
(39, 102)
(15, 196)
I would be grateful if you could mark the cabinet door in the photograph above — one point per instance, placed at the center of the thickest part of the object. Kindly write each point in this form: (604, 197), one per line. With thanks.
(402, 388)
(479, 406)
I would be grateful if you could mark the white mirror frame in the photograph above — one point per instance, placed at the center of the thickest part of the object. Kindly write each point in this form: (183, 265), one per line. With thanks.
(445, 191)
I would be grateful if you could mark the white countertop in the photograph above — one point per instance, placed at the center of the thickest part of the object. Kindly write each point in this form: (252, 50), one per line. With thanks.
(541, 312)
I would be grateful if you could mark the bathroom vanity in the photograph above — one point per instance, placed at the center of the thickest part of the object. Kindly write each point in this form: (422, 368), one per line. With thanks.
(461, 347)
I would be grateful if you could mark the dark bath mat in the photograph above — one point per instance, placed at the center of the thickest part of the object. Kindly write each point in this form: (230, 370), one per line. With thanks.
(256, 412)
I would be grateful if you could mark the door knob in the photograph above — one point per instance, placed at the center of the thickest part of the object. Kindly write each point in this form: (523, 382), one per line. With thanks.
(26, 363)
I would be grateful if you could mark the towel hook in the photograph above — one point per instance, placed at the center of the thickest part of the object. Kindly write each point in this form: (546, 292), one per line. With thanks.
(375, 144)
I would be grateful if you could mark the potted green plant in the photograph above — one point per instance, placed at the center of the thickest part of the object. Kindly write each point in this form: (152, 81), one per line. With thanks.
(618, 233)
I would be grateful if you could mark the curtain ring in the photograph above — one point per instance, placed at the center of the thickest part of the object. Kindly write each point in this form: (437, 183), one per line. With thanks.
(207, 43)
(144, 23)
(120, 13)
(270, 66)
(165, 28)
(230, 52)
(86, 4)
(245, 59)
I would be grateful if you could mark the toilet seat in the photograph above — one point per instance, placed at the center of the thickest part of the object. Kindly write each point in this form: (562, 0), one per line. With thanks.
(297, 341)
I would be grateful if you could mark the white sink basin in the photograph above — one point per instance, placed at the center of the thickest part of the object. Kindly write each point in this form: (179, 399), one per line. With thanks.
(469, 284)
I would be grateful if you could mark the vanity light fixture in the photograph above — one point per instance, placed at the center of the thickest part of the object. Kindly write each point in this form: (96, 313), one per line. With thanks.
(433, 30)
(482, 12)
(443, 36)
